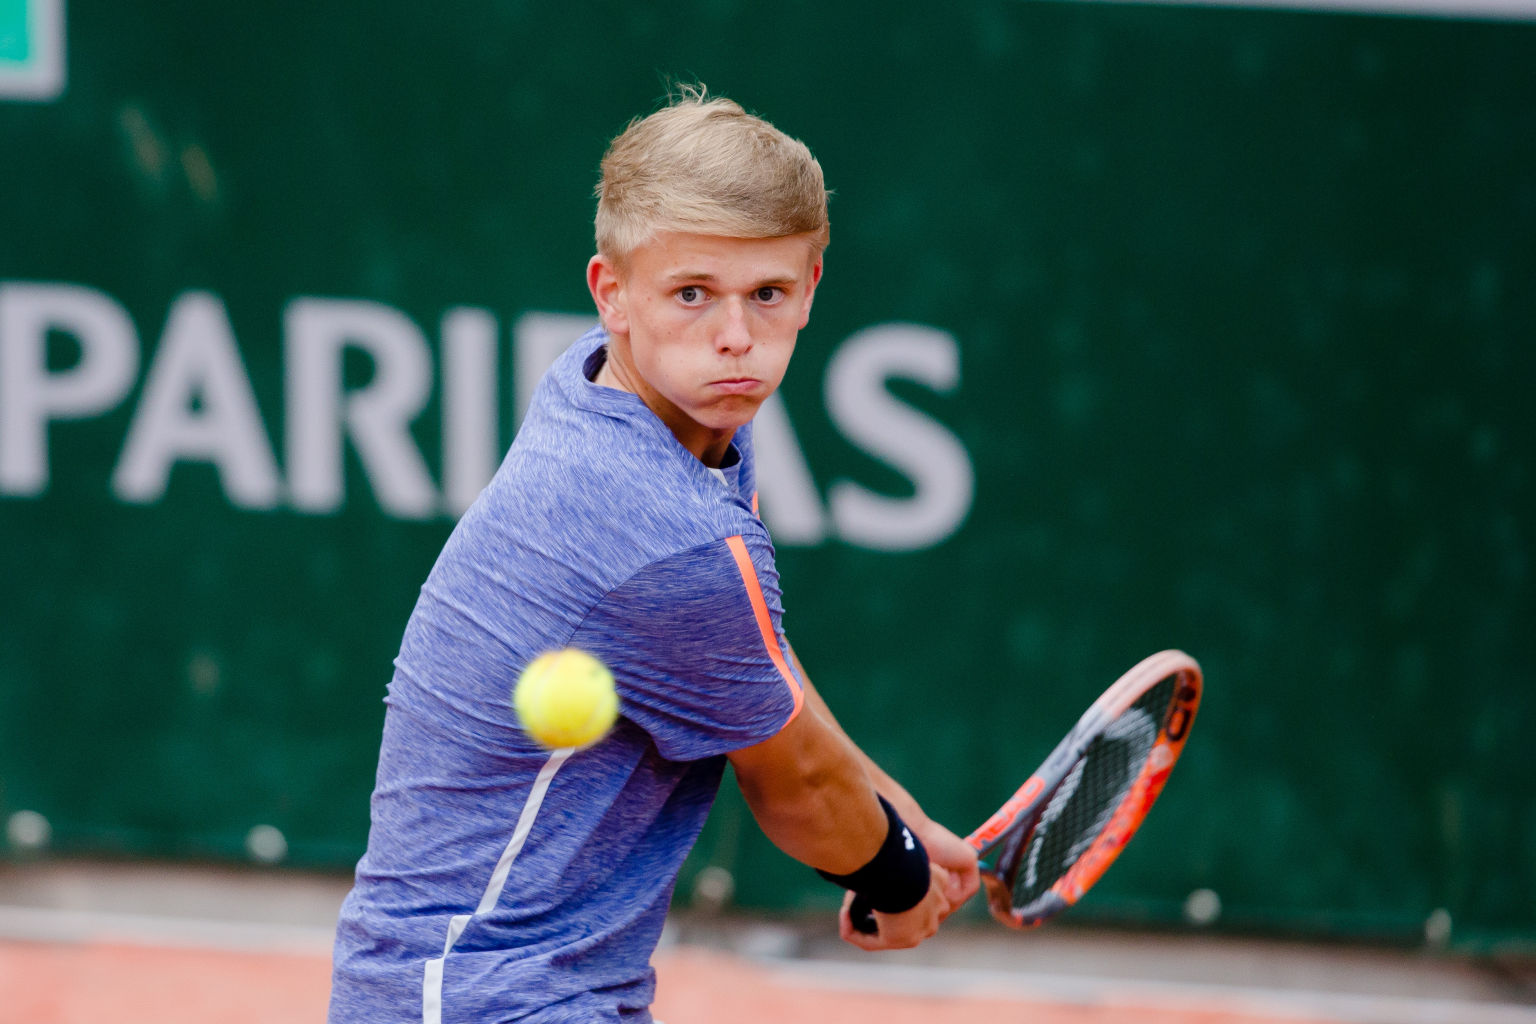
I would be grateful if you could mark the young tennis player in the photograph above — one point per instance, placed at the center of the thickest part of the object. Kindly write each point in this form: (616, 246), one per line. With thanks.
(506, 882)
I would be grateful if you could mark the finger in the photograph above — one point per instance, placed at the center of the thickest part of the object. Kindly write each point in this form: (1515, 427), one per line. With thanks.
(849, 934)
(939, 889)
(960, 886)
(949, 849)
(861, 915)
(886, 938)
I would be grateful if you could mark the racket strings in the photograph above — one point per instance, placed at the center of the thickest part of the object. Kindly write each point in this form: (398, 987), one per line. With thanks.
(1088, 796)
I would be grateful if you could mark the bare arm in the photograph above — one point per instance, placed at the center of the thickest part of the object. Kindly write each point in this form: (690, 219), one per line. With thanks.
(809, 792)
(810, 795)
(946, 849)
(888, 787)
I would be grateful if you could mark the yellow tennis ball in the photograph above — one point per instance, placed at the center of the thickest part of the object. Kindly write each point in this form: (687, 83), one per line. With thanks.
(566, 698)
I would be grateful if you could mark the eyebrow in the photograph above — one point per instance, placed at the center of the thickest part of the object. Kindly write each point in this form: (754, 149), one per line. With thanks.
(699, 275)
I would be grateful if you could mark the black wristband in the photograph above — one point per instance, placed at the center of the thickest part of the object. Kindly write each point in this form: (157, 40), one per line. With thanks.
(896, 878)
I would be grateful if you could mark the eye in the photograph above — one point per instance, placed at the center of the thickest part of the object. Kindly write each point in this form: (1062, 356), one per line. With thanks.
(690, 295)
(768, 294)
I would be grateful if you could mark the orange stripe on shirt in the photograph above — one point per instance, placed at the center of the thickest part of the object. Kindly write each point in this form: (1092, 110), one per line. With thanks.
(764, 623)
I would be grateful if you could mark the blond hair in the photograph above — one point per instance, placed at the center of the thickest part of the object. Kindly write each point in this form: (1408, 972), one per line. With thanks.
(703, 164)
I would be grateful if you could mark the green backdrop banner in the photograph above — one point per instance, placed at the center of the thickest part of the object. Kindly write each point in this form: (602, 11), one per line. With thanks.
(1142, 327)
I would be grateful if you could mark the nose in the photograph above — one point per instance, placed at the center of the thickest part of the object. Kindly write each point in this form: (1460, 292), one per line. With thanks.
(734, 337)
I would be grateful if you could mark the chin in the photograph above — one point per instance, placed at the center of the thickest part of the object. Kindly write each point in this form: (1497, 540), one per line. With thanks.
(738, 415)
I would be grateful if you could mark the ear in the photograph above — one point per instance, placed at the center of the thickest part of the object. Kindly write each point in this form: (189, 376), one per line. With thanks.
(606, 284)
(810, 292)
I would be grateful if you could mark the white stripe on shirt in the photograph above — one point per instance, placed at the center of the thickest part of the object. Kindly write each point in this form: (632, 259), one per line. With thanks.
(432, 975)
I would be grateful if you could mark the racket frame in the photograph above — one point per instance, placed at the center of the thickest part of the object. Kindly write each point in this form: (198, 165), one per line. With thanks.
(1014, 822)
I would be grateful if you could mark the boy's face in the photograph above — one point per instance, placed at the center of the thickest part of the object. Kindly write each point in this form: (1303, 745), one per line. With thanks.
(702, 327)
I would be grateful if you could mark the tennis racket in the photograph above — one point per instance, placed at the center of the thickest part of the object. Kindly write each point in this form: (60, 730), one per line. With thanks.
(1062, 829)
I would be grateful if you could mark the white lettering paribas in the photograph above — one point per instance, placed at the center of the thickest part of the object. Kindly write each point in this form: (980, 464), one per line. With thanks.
(196, 404)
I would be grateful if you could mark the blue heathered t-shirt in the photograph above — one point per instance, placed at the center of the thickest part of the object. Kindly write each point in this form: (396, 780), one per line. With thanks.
(506, 883)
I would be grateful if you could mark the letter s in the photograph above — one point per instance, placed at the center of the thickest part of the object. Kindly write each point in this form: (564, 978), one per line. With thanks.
(914, 445)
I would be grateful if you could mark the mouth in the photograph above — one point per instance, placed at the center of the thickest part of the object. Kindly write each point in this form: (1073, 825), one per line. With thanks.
(736, 385)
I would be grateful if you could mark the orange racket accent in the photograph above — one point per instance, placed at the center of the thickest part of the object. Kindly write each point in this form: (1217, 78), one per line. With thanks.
(1173, 731)
(1090, 867)
(1006, 814)
(764, 620)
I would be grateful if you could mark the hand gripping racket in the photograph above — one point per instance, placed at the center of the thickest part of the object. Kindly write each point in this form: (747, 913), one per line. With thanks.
(1062, 829)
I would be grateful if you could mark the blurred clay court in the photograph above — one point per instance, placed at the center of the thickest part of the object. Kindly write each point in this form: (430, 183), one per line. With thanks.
(140, 944)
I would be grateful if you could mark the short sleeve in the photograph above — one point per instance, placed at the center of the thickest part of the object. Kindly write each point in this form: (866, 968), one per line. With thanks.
(696, 648)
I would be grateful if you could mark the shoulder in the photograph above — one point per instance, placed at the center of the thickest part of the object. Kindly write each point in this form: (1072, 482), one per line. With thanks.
(593, 468)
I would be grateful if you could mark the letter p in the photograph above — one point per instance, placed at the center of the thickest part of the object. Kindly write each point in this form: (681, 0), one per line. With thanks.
(31, 395)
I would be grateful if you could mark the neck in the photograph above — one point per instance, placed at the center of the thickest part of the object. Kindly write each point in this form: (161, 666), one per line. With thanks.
(708, 446)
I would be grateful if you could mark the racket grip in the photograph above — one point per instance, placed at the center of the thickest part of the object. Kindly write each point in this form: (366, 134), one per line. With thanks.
(862, 916)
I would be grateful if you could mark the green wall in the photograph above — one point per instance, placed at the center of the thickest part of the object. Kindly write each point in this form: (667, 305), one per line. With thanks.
(1208, 328)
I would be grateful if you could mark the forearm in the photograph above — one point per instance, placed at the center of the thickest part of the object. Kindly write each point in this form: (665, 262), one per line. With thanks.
(953, 859)
(810, 793)
(887, 787)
